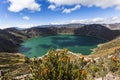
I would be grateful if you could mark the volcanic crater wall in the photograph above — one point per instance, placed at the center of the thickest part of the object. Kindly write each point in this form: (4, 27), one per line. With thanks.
(11, 38)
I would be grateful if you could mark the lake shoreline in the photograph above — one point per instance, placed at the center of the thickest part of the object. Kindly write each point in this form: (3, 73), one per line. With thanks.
(77, 44)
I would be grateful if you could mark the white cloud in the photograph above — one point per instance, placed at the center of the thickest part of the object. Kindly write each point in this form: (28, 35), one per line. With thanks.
(52, 7)
(98, 20)
(89, 3)
(4, 26)
(118, 7)
(19, 5)
(26, 18)
(64, 2)
(110, 20)
(115, 18)
(27, 25)
(71, 9)
(23, 25)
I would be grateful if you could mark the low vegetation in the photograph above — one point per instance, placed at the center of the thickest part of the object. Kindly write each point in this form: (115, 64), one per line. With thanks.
(58, 65)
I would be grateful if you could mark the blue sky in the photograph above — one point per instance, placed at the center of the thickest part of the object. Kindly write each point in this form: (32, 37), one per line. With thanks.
(27, 13)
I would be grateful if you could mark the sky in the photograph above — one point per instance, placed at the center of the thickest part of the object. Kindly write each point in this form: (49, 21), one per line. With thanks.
(28, 13)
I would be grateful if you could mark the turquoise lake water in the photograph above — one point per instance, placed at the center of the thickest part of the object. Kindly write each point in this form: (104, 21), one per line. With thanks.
(77, 44)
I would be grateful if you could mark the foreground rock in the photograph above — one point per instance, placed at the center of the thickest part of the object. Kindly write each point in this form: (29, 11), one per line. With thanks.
(109, 76)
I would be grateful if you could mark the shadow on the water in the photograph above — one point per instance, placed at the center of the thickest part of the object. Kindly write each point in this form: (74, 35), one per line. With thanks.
(47, 46)
(24, 49)
(76, 41)
(62, 42)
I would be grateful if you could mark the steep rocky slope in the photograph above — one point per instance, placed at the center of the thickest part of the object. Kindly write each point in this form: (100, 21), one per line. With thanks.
(10, 40)
(99, 31)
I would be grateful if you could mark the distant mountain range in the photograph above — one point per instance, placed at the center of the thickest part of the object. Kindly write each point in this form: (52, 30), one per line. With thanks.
(114, 26)
(75, 25)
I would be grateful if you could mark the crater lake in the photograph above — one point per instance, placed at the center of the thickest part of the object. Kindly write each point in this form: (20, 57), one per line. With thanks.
(77, 44)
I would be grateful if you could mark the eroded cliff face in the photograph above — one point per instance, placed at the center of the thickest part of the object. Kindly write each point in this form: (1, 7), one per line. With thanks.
(36, 31)
(13, 37)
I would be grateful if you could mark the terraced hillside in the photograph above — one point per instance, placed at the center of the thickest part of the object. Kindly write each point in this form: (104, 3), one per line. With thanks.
(13, 64)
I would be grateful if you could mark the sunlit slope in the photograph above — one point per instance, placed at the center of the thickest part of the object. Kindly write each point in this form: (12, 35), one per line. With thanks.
(107, 48)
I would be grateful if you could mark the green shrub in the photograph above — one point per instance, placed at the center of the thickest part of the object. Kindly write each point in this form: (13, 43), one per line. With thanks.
(57, 65)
